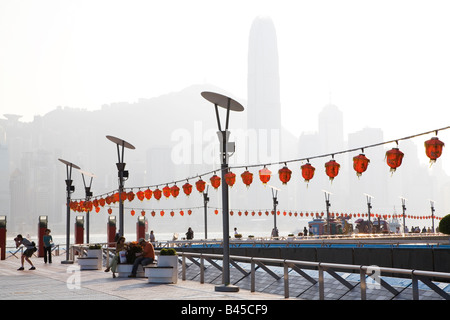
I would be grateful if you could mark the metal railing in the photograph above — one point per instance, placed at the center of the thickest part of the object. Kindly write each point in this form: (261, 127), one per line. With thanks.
(14, 252)
(356, 239)
(295, 265)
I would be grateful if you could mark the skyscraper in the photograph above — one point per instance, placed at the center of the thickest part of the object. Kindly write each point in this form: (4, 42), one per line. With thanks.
(263, 106)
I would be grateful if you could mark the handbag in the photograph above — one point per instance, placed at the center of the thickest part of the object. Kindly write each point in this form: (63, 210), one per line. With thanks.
(123, 256)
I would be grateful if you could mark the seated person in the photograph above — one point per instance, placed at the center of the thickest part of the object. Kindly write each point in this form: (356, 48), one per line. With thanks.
(147, 256)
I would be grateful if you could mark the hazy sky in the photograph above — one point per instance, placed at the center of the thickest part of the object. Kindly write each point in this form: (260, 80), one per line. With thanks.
(385, 63)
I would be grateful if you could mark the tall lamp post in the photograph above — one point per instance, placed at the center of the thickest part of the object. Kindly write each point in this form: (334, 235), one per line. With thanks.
(69, 189)
(88, 191)
(328, 205)
(230, 105)
(369, 206)
(205, 207)
(404, 213)
(275, 204)
(432, 215)
(123, 174)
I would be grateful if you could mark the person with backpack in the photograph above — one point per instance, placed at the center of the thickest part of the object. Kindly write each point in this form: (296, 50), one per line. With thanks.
(30, 249)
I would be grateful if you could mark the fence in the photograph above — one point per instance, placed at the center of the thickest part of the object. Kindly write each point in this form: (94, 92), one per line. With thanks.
(330, 268)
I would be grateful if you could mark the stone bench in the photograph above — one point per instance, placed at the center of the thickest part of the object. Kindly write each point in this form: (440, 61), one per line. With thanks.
(124, 270)
(157, 274)
(88, 263)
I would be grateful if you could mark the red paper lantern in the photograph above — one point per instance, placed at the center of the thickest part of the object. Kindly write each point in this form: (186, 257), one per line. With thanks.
(189, 212)
(200, 185)
(175, 191)
(130, 196)
(285, 174)
(264, 175)
(332, 169)
(101, 202)
(187, 188)
(433, 149)
(181, 212)
(97, 209)
(172, 213)
(140, 195)
(142, 213)
(157, 193)
(307, 171)
(247, 178)
(360, 164)
(153, 213)
(148, 194)
(166, 191)
(161, 212)
(109, 210)
(215, 181)
(230, 178)
(394, 158)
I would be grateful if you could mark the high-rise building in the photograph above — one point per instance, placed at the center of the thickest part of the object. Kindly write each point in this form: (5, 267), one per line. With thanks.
(263, 106)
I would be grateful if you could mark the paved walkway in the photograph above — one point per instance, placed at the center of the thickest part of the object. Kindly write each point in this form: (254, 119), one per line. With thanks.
(65, 282)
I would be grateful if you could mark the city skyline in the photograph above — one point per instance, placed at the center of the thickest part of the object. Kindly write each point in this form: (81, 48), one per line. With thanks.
(181, 142)
(60, 53)
(296, 195)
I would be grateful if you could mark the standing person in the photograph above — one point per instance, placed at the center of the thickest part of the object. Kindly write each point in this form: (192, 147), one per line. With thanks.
(120, 245)
(48, 242)
(190, 234)
(152, 237)
(147, 256)
(30, 249)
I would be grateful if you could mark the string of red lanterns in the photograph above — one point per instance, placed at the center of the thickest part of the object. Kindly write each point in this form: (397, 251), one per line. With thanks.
(394, 157)
(84, 206)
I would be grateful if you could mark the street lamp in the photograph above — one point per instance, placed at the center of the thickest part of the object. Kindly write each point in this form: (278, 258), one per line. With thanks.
(69, 188)
(328, 205)
(122, 174)
(205, 207)
(275, 203)
(230, 105)
(404, 213)
(88, 197)
(369, 206)
(432, 215)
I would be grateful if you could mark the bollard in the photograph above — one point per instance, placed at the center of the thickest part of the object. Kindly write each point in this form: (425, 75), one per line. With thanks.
(42, 226)
(111, 231)
(2, 237)
(140, 228)
(79, 230)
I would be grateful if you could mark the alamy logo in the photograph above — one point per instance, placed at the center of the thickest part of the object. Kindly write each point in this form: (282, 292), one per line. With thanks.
(374, 278)
(202, 146)
(74, 279)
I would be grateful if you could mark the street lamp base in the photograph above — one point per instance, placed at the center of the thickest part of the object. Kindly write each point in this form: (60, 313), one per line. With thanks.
(67, 262)
(226, 288)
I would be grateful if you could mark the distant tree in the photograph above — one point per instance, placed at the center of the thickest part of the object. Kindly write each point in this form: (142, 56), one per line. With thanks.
(444, 224)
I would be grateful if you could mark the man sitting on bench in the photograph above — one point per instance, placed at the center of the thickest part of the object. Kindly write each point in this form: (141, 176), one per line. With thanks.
(146, 257)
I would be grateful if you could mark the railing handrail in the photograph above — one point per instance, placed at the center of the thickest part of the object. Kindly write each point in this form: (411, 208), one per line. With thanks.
(364, 271)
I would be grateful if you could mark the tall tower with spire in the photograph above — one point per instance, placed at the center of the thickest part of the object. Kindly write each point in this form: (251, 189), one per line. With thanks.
(263, 85)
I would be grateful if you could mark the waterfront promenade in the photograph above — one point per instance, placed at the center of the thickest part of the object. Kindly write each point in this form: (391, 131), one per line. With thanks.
(59, 281)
